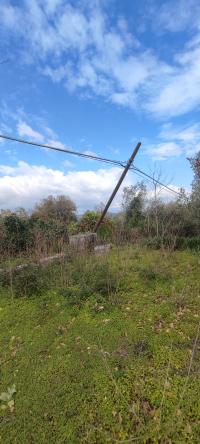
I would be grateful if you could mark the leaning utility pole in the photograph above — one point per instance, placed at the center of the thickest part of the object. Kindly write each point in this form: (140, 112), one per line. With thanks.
(130, 161)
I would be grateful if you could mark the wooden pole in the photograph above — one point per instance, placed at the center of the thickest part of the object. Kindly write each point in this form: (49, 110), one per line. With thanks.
(130, 161)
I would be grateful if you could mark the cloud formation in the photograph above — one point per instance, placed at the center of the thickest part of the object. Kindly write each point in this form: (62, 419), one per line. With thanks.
(24, 185)
(174, 141)
(45, 136)
(93, 56)
(176, 15)
(179, 91)
(25, 130)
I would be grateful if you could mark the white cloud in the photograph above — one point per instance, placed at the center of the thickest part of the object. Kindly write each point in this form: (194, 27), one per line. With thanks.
(51, 133)
(164, 194)
(24, 185)
(88, 53)
(25, 130)
(52, 5)
(176, 16)
(186, 134)
(90, 153)
(174, 141)
(161, 151)
(80, 47)
(178, 92)
(10, 15)
(56, 143)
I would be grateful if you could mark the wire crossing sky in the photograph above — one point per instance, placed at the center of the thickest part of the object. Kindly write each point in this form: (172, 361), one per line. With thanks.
(88, 156)
(101, 75)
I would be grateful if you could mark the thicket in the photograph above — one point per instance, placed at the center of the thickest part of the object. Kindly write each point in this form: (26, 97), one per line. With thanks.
(161, 224)
(78, 278)
(144, 218)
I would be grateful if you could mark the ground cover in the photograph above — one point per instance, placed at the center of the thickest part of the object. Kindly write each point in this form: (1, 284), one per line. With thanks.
(109, 352)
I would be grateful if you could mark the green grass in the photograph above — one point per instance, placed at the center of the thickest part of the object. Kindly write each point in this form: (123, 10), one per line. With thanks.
(117, 367)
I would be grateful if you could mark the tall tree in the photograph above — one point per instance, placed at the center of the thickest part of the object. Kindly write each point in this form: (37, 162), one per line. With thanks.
(133, 204)
(59, 210)
(195, 195)
(195, 164)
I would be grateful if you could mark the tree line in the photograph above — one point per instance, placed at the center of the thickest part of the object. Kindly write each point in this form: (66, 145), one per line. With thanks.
(144, 218)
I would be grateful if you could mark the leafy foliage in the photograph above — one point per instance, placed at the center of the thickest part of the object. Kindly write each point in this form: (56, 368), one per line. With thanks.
(133, 203)
(88, 221)
(26, 282)
(91, 278)
(45, 230)
(60, 209)
(17, 234)
(162, 224)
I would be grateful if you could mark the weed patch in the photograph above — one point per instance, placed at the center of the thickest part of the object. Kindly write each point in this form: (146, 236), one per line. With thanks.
(150, 274)
(26, 282)
(102, 354)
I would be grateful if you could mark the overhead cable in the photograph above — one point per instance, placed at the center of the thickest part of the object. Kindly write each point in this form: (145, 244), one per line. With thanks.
(89, 156)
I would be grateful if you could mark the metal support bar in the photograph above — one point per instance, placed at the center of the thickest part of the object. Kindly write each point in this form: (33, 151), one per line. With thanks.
(130, 161)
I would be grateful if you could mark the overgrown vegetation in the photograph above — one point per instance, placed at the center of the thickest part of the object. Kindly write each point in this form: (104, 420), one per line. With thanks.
(98, 349)
(79, 276)
(145, 218)
(102, 349)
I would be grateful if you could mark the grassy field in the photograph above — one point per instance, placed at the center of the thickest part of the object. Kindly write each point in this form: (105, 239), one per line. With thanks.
(119, 365)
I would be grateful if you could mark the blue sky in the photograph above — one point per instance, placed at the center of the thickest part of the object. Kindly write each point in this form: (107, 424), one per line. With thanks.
(96, 76)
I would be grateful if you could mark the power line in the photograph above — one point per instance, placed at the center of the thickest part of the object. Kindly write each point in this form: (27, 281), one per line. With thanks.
(155, 180)
(63, 150)
(91, 157)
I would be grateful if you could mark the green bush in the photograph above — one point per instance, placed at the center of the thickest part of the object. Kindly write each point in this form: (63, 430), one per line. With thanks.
(151, 273)
(26, 282)
(77, 279)
(103, 279)
(179, 243)
(90, 278)
(154, 243)
(76, 294)
(192, 243)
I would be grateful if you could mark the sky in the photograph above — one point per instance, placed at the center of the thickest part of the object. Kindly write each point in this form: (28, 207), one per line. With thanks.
(96, 76)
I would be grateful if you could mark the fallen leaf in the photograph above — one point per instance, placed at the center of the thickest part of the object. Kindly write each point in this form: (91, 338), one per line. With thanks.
(11, 405)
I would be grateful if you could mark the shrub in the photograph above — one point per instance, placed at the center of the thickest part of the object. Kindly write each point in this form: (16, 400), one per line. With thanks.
(149, 273)
(77, 279)
(192, 243)
(179, 243)
(89, 278)
(103, 279)
(154, 243)
(26, 282)
(18, 236)
(76, 294)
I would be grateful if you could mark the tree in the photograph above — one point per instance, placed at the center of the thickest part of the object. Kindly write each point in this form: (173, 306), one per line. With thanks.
(133, 204)
(3, 238)
(50, 223)
(22, 213)
(17, 232)
(195, 195)
(195, 164)
(60, 209)
(88, 221)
